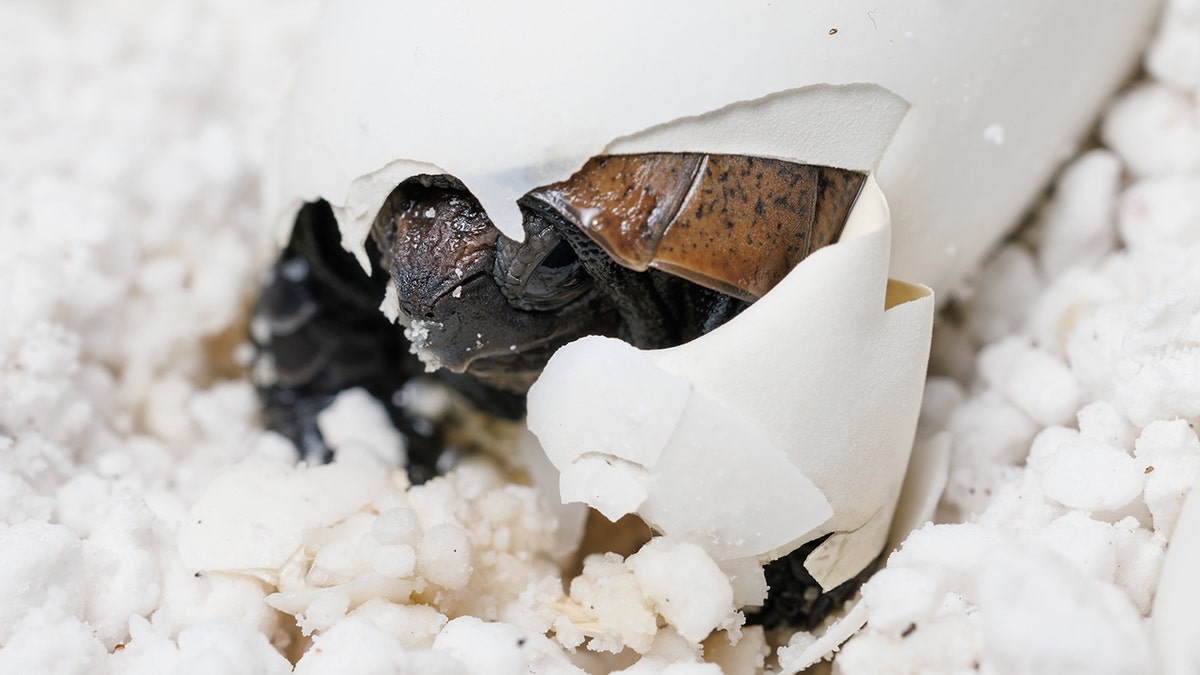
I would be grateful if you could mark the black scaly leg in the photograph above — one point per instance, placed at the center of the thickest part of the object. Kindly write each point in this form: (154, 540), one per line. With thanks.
(318, 330)
(795, 598)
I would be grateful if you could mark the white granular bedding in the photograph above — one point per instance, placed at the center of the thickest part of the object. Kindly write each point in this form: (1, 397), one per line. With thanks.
(149, 525)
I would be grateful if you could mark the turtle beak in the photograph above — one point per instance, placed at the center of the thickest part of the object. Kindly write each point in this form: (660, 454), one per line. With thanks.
(478, 330)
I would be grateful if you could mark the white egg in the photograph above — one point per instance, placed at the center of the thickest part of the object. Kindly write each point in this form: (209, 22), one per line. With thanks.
(510, 96)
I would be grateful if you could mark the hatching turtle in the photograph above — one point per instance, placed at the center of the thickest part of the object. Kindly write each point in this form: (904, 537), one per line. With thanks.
(655, 249)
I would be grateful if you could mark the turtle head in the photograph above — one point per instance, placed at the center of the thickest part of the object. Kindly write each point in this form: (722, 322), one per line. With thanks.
(475, 301)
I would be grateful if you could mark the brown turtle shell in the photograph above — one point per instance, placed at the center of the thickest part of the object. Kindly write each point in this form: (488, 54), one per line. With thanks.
(733, 223)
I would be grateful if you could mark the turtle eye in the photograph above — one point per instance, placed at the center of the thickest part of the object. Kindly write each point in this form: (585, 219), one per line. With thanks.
(543, 273)
(557, 280)
(560, 257)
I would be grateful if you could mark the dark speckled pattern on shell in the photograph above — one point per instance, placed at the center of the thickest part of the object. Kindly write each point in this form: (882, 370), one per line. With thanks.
(732, 223)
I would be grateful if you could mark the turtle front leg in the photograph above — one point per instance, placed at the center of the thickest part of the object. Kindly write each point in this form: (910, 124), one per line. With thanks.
(318, 331)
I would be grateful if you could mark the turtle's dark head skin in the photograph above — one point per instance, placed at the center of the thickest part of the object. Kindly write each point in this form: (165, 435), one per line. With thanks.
(442, 261)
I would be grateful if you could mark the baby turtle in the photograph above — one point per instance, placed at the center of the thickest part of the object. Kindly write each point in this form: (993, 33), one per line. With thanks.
(655, 249)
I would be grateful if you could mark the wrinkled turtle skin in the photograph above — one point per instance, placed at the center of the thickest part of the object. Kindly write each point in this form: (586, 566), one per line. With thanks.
(654, 249)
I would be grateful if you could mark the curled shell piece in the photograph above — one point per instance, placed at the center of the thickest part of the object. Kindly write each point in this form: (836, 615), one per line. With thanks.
(815, 442)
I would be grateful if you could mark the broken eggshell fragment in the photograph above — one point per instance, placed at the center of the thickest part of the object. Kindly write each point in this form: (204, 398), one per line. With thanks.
(790, 422)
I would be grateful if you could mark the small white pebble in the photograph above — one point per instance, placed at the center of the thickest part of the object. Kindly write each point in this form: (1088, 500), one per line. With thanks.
(325, 610)
(1036, 382)
(1077, 226)
(390, 305)
(958, 549)
(444, 556)
(1086, 543)
(901, 596)
(1154, 129)
(338, 560)
(49, 639)
(612, 598)
(1174, 56)
(1139, 559)
(41, 565)
(687, 587)
(1094, 344)
(1101, 421)
(1161, 212)
(414, 626)
(1091, 476)
(357, 418)
(1158, 371)
(989, 427)
(396, 526)
(1038, 615)
(948, 644)
(395, 561)
(1046, 443)
(207, 648)
(355, 646)
(1169, 451)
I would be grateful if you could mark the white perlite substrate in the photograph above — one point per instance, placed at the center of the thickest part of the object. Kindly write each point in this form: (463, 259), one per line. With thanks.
(148, 525)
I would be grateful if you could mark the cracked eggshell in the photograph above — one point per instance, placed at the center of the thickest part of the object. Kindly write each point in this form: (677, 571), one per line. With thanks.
(962, 109)
(786, 434)
(797, 421)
